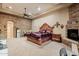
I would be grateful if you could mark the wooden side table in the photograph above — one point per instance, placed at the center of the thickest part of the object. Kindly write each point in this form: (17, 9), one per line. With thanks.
(56, 37)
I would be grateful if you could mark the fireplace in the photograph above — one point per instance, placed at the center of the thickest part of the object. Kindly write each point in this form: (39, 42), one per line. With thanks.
(73, 34)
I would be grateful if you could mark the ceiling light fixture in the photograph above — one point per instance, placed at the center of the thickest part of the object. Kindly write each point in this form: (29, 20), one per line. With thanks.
(25, 13)
(39, 8)
(9, 7)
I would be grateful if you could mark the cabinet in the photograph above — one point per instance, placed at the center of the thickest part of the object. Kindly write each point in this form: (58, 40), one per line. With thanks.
(56, 37)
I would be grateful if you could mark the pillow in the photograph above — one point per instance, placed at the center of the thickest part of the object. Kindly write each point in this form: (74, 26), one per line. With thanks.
(43, 31)
(48, 31)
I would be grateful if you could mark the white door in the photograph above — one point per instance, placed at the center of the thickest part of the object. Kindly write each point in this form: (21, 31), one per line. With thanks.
(10, 29)
(18, 33)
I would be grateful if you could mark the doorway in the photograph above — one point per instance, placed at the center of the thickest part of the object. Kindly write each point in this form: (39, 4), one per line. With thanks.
(10, 26)
(18, 31)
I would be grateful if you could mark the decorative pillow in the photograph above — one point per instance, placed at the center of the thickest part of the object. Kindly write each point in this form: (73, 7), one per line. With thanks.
(48, 31)
(43, 31)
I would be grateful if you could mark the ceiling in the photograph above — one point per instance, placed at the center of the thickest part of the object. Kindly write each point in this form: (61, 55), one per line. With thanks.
(32, 8)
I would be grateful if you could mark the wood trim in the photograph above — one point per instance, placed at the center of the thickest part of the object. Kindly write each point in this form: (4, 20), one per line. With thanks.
(7, 12)
(51, 10)
(14, 15)
(48, 12)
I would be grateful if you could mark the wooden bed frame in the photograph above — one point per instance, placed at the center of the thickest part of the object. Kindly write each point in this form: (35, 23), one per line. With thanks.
(46, 27)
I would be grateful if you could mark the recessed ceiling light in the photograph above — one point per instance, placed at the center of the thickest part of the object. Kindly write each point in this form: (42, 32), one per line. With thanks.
(9, 7)
(39, 8)
(30, 13)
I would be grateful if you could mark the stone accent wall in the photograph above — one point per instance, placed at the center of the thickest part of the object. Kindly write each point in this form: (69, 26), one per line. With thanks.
(21, 23)
(0, 5)
(73, 16)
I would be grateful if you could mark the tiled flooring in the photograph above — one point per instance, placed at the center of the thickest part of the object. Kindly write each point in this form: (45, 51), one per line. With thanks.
(22, 47)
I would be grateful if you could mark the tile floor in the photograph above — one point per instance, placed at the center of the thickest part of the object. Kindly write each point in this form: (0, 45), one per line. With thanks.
(22, 47)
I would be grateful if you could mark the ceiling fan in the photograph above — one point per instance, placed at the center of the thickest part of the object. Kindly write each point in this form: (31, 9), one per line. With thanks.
(25, 14)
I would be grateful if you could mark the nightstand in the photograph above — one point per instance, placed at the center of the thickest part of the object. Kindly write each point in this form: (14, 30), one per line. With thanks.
(56, 37)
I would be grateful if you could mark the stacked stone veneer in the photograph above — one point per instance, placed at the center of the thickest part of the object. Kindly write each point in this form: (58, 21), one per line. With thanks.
(21, 23)
(73, 16)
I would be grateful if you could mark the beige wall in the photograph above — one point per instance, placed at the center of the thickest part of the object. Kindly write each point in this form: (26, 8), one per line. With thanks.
(24, 24)
(21, 23)
(61, 16)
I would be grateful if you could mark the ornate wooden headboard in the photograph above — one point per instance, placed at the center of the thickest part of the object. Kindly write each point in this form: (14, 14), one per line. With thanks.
(46, 27)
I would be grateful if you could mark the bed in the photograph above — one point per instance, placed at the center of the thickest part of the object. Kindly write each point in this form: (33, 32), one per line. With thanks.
(43, 35)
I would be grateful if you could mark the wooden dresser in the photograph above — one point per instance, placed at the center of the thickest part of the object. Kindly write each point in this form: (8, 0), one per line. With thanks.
(56, 37)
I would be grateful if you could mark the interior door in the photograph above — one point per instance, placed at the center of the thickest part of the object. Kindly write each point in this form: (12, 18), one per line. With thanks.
(10, 25)
(18, 33)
